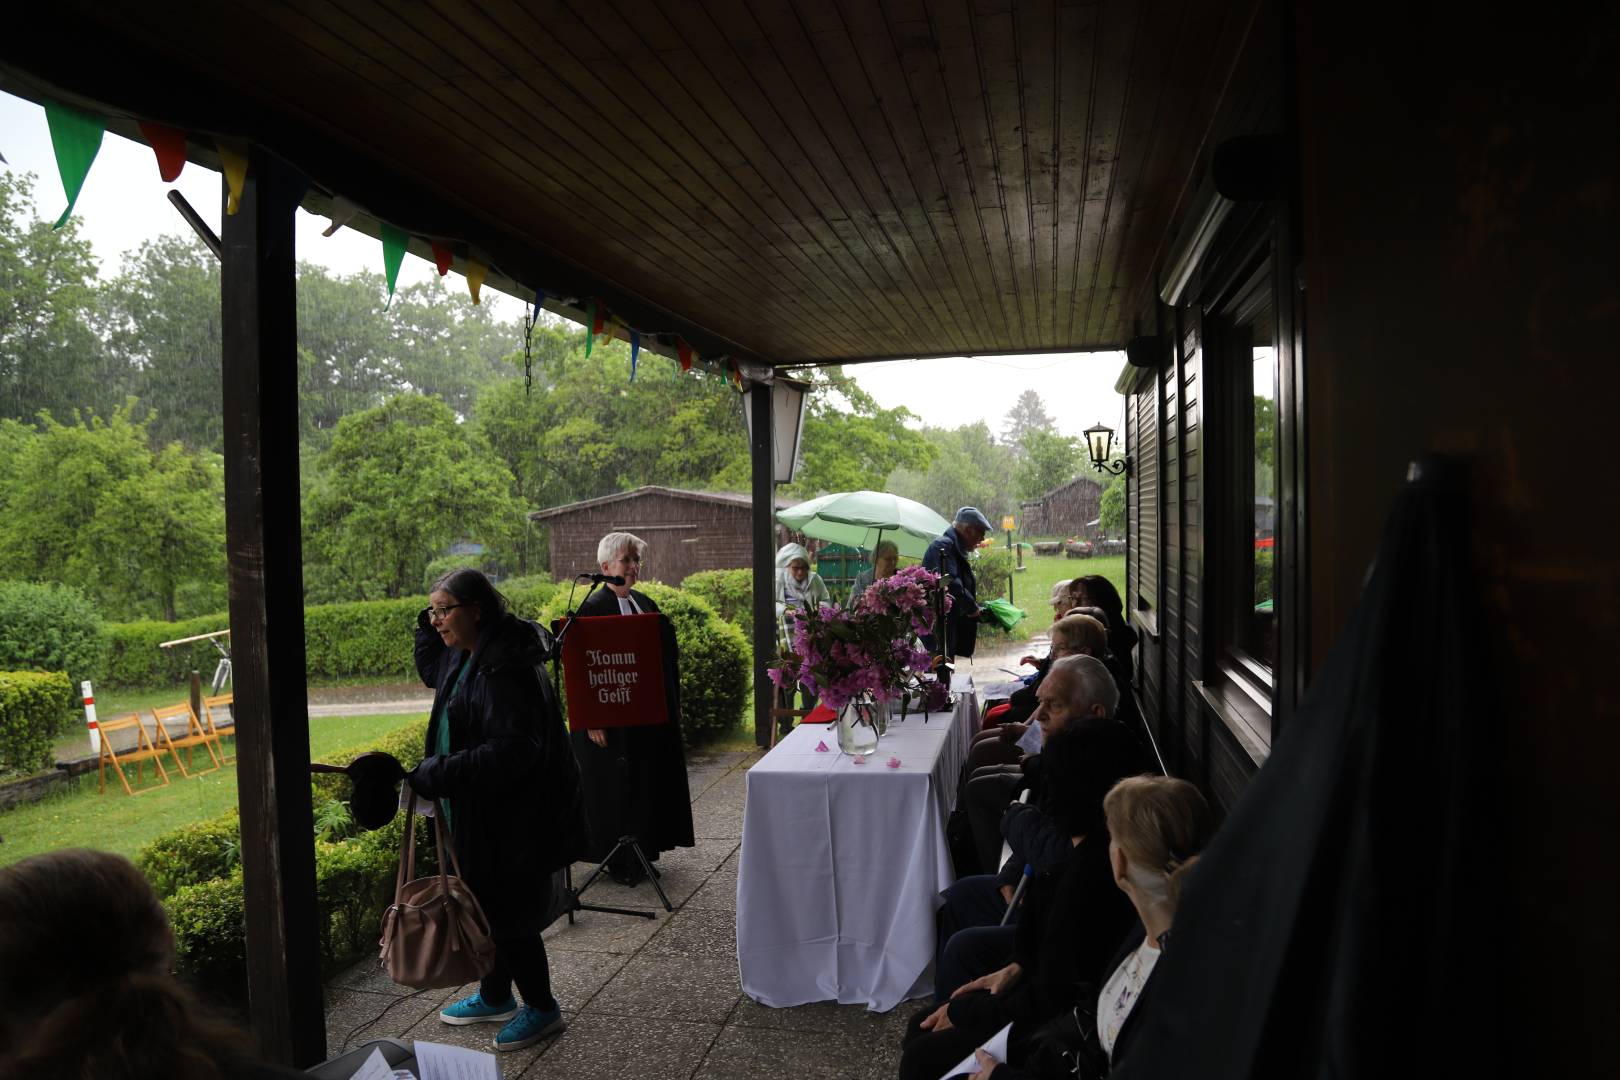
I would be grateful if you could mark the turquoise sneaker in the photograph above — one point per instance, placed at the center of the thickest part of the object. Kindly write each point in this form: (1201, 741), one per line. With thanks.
(473, 1010)
(530, 1026)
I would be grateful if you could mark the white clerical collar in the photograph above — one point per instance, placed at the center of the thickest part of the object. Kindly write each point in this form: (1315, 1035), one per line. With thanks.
(627, 606)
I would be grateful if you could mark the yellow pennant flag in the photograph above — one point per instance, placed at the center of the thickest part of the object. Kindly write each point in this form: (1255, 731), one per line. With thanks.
(476, 272)
(233, 160)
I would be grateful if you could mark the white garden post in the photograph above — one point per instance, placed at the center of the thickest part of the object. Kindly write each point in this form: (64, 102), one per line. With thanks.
(90, 717)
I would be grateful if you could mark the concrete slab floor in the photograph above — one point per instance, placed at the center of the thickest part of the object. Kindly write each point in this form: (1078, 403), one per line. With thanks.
(656, 998)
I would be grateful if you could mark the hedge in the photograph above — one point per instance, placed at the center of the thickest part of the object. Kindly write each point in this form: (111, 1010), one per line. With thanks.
(50, 628)
(730, 593)
(716, 662)
(360, 638)
(35, 706)
(197, 869)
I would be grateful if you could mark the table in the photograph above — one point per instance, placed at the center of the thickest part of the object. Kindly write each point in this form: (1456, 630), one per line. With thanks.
(842, 864)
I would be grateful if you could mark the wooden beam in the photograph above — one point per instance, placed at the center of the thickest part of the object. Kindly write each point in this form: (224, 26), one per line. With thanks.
(267, 615)
(761, 444)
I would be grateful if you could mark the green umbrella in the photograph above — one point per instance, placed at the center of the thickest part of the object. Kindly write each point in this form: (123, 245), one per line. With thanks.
(859, 519)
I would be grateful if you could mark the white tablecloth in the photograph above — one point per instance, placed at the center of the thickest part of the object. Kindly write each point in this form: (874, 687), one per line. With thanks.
(842, 864)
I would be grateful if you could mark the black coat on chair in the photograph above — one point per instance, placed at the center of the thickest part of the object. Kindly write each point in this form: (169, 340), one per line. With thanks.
(636, 785)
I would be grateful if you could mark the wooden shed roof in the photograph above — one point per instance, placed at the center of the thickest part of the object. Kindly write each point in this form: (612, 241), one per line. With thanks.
(791, 182)
(724, 498)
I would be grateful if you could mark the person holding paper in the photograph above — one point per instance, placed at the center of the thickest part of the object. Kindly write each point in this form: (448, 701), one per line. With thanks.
(497, 757)
(635, 777)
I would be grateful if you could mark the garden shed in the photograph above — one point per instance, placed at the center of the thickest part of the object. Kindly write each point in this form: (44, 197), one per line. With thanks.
(1067, 510)
(686, 531)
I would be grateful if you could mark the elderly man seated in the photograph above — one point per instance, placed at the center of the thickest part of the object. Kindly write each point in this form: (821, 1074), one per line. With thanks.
(1077, 688)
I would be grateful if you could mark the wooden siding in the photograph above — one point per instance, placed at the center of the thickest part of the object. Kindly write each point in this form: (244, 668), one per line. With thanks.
(1066, 510)
(796, 181)
(683, 535)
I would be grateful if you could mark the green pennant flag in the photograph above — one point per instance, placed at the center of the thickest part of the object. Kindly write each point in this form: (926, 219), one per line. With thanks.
(394, 241)
(76, 138)
(590, 327)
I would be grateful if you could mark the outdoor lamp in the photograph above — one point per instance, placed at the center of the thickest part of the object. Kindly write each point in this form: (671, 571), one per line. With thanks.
(1098, 441)
(787, 424)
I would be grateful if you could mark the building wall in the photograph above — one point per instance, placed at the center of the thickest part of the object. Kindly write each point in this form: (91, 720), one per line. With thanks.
(1063, 511)
(683, 535)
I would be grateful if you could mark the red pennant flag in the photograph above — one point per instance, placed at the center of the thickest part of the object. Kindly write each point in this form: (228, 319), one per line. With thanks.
(598, 326)
(170, 147)
(684, 351)
(443, 258)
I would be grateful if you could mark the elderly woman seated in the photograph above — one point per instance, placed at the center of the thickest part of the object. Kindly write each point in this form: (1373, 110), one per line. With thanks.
(797, 588)
(885, 560)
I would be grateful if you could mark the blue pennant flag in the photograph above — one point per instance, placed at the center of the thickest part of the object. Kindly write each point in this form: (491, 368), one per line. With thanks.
(635, 349)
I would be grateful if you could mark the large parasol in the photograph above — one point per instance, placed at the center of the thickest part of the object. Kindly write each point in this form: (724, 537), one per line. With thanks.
(858, 519)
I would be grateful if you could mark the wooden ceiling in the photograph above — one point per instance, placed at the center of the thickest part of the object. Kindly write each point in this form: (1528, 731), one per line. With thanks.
(816, 181)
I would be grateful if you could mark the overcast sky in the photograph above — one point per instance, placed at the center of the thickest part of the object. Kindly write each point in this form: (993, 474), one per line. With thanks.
(123, 204)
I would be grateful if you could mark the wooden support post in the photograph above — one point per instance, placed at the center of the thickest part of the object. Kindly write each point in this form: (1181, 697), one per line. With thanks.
(267, 615)
(761, 445)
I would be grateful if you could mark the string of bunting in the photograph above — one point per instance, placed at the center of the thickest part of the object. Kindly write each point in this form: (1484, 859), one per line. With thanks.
(76, 138)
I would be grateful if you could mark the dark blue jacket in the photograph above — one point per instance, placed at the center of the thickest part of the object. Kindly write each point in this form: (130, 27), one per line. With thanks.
(945, 556)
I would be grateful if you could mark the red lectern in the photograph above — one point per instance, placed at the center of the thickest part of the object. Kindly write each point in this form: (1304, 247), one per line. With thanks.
(613, 672)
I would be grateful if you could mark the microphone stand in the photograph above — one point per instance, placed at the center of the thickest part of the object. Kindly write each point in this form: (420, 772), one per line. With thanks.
(574, 902)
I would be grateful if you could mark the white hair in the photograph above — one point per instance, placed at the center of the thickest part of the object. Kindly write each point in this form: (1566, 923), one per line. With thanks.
(1088, 683)
(614, 544)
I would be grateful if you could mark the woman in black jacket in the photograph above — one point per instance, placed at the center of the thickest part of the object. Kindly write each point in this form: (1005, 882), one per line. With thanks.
(498, 757)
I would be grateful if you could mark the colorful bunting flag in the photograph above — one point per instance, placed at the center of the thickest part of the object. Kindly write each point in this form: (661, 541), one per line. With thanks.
(443, 257)
(684, 351)
(343, 212)
(635, 350)
(76, 138)
(590, 327)
(3, 160)
(393, 242)
(170, 147)
(736, 374)
(233, 160)
(476, 272)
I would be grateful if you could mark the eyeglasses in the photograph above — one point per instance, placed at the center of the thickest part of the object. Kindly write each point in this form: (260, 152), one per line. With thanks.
(439, 614)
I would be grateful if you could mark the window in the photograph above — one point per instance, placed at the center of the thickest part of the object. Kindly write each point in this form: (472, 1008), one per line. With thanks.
(1254, 611)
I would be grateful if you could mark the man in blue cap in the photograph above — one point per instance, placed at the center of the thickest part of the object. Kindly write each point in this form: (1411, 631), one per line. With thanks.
(948, 555)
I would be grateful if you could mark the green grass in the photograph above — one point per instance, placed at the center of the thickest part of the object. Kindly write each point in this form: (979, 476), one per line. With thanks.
(1032, 587)
(114, 821)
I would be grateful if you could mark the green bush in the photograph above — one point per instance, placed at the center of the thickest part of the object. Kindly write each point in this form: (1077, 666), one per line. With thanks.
(193, 854)
(35, 706)
(405, 743)
(1264, 575)
(51, 628)
(446, 563)
(716, 662)
(528, 596)
(210, 939)
(364, 637)
(134, 659)
(730, 593)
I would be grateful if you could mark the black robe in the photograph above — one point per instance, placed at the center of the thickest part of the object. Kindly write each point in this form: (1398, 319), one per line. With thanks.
(636, 785)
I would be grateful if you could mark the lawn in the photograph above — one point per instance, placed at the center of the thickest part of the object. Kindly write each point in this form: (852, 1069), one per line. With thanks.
(114, 821)
(1032, 587)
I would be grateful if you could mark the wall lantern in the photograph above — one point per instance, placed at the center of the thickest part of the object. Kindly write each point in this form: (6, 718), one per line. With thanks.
(1099, 440)
(788, 397)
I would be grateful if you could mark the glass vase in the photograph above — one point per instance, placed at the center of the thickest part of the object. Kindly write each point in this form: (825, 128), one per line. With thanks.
(857, 727)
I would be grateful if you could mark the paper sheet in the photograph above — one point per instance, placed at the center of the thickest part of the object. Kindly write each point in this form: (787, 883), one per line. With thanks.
(996, 1047)
(423, 806)
(440, 1061)
(376, 1067)
(1030, 741)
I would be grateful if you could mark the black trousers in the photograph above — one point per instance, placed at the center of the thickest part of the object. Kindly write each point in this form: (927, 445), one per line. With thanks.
(928, 1054)
(520, 957)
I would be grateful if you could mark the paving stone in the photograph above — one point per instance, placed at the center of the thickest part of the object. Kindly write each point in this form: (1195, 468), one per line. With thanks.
(347, 1009)
(671, 987)
(719, 891)
(705, 856)
(604, 932)
(884, 1063)
(621, 1048)
(577, 976)
(477, 1037)
(678, 883)
(699, 781)
(717, 821)
(698, 932)
(853, 1022)
(368, 974)
(742, 1053)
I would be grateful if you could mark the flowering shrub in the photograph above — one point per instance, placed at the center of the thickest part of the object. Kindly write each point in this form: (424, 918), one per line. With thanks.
(842, 654)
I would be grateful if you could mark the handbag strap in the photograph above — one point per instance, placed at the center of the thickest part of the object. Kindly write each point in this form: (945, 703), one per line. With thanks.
(438, 841)
(407, 848)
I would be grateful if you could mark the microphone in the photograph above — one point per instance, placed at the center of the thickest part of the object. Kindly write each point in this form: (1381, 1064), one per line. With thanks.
(600, 579)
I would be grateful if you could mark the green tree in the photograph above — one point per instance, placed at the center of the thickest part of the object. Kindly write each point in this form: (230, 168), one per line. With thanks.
(1027, 414)
(50, 358)
(969, 468)
(94, 505)
(1112, 507)
(398, 484)
(1048, 460)
(163, 319)
(850, 442)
